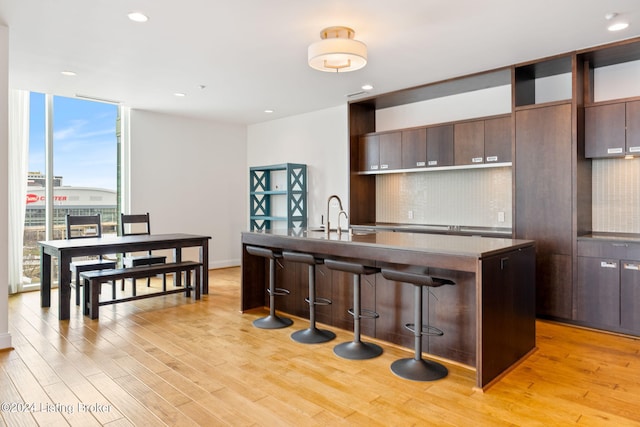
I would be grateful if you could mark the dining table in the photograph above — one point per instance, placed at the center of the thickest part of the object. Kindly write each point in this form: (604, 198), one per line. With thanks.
(67, 249)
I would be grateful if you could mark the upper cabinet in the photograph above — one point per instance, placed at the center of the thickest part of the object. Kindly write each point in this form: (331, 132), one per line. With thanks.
(369, 149)
(612, 129)
(414, 148)
(390, 151)
(497, 140)
(440, 146)
(469, 142)
(483, 141)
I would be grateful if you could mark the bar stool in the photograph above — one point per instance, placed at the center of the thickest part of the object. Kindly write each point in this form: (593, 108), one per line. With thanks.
(356, 350)
(311, 335)
(417, 368)
(272, 321)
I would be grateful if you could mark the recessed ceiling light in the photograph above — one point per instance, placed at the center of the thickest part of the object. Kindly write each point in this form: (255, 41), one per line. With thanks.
(180, 94)
(617, 26)
(138, 17)
(367, 87)
(268, 111)
(68, 73)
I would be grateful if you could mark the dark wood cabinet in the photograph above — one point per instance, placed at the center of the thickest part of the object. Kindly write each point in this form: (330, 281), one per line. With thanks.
(497, 140)
(630, 295)
(605, 130)
(633, 127)
(612, 130)
(369, 153)
(608, 286)
(440, 146)
(469, 143)
(543, 201)
(598, 292)
(414, 148)
(390, 150)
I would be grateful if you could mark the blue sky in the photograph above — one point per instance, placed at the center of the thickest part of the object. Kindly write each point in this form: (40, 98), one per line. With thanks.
(84, 141)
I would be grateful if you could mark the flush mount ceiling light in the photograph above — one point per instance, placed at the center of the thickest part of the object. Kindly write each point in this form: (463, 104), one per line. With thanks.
(337, 52)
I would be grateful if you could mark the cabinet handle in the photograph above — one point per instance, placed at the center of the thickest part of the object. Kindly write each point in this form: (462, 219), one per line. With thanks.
(492, 158)
(617, 150)
(384, 166)
(476, 160)
(606, 264)
(420, 164)
(620, 245)
(630, 266)
(374, 167)
(433, 163)
(634, 149)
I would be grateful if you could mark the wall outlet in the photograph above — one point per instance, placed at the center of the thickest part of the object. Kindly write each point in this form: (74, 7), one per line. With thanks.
(500, 216)
(410, 214)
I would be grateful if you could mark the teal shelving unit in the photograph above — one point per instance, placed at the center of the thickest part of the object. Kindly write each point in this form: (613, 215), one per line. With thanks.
(271, 187)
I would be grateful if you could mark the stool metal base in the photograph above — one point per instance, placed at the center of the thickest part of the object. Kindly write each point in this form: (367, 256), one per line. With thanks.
(272, 322)
(419, 370)
(357, 350)
(313, 336)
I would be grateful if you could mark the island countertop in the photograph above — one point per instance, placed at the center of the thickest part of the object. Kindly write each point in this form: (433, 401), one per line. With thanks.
(447, 251)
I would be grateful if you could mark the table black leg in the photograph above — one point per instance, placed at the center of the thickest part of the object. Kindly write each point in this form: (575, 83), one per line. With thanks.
(45, 279)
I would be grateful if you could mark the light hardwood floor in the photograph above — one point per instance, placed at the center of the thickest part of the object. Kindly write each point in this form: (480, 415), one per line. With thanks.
(169, 361)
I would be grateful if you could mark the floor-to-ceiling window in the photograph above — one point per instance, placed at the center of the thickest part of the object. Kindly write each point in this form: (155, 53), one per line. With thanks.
(84, 151)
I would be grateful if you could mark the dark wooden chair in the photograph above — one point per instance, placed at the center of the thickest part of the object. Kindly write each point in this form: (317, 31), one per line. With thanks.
(136, 225)
(83, 227)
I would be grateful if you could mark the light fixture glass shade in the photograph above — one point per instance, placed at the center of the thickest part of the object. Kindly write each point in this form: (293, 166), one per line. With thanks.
(337, 51)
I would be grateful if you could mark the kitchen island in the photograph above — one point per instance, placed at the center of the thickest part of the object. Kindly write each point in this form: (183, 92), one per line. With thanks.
(488, 317)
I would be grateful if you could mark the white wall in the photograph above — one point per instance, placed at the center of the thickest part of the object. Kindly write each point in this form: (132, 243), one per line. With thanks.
(5, 337)
(191, 176)
(319, 140)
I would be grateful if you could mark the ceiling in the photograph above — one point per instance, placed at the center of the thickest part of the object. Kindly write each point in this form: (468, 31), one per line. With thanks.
(234, 59)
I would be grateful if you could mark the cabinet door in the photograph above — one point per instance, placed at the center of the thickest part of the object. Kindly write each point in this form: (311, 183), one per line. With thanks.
(598, 291)
(604, 130)
(414, 148)
(440, 146)
(391, 150)
(469, 143)
(633, 127)
(630, 295)
(369, 153)
(497, 140)
(543, 201)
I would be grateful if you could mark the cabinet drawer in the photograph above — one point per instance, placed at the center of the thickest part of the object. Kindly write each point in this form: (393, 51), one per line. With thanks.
(609, 249)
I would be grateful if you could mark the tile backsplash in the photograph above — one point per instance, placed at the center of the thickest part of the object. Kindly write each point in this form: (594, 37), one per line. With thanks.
(616, 195)
(466, 197)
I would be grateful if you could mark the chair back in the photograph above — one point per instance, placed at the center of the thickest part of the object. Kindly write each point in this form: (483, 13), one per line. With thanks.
(83, 226)
(135, 225)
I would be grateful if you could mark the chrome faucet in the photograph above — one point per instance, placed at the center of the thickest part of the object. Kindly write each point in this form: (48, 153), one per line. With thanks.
(346, 218)
(334, 196)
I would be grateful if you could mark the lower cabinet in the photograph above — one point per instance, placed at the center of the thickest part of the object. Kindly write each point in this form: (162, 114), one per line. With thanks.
(608, 287)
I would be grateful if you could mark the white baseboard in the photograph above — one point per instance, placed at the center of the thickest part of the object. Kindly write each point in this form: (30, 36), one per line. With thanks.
(224, 264)
(5, 341)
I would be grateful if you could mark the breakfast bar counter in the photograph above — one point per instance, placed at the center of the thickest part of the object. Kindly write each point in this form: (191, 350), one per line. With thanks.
(488, 317)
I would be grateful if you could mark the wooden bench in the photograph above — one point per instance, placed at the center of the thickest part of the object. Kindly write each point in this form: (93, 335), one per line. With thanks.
(93, 279)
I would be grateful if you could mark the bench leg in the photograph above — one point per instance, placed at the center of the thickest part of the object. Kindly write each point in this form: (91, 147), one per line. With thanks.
(85, 297)
(198, 283)
(94, 290)
(187, 283)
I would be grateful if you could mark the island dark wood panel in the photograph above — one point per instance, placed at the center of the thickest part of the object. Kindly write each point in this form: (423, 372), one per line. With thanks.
(488, 317)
